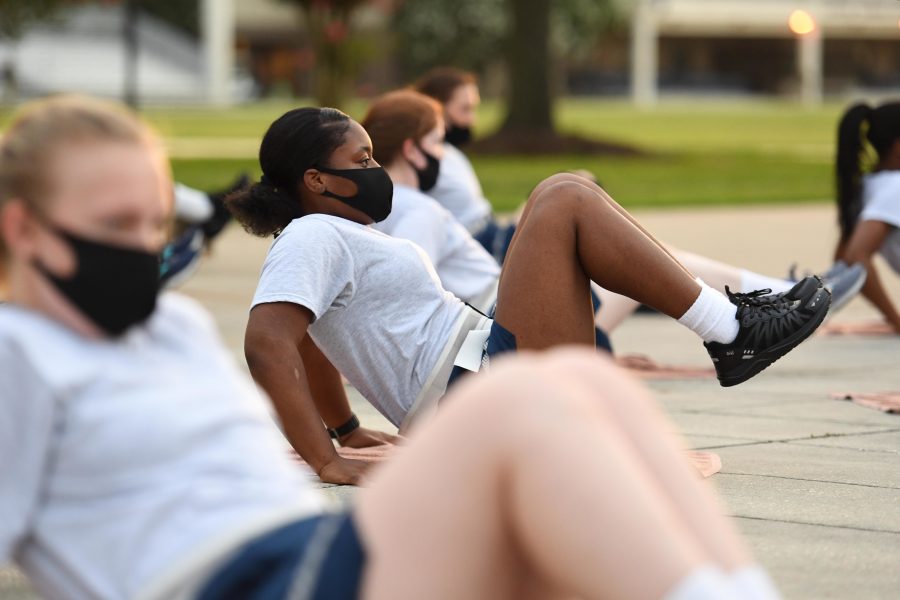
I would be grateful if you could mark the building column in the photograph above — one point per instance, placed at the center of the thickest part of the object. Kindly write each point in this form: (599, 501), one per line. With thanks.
(810, 66)
(644, 42)
(217, 29)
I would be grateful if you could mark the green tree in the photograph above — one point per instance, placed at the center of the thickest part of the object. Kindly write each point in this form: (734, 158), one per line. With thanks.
(329, 23)
(17, 15)
(532, 36)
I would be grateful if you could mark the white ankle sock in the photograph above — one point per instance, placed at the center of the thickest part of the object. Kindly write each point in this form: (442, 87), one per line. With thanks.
(704, 583)
(753, 583)
(711, 316)
(751, 282)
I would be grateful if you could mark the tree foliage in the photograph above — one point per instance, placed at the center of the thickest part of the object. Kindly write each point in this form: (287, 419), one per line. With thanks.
(17, 15)
(329, 24)
(471, 33)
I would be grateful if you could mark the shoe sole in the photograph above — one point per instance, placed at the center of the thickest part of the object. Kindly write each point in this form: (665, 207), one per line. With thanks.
(759, 364)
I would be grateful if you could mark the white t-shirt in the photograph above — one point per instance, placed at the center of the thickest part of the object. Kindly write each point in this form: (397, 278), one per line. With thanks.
(881, 202)
(464, 266)
(381, 315)
(123, 459)
(458, 190)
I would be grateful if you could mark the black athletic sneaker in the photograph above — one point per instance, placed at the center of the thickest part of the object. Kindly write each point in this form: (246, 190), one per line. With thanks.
(770, 327)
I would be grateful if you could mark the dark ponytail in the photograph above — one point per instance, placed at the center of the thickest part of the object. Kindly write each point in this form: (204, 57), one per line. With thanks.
(299, 140)
(848, 166)
(882, 132)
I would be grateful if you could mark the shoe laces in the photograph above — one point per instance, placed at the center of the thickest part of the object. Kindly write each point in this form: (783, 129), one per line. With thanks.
(762, 302)
(754, 298)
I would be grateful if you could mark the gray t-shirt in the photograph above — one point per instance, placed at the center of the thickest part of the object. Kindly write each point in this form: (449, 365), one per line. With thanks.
(381, 315)
(126, 458)
(458, 190)
(464, 266)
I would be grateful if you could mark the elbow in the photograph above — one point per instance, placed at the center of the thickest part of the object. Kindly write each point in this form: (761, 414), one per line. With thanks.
(259, 350)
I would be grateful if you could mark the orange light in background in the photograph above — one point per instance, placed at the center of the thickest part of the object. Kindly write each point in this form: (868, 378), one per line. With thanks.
(801, 22)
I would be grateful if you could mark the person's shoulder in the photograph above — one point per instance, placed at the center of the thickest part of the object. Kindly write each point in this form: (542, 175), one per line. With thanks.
(19, 323)
(185, 312)
(453, 153)
(32, 341)
(423, 209)
(414, 199)
(882, 187)
(882, 180)
(316, 227)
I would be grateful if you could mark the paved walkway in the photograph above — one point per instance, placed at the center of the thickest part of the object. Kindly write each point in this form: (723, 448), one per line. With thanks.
(814, 483)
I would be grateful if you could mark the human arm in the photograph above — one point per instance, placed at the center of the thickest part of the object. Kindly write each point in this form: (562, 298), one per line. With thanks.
(330, 398)
(272, 346)
(867, 238)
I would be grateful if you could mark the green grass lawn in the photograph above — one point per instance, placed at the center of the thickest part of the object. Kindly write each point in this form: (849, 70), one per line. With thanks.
(700, 152)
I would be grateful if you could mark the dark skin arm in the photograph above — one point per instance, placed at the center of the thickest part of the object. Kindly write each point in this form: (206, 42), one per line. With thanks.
(330, 398)
(867, 238)
(272, 346)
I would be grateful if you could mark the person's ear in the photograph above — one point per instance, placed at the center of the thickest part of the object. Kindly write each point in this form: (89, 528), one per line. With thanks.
(413, 155)
(16, 228)
(314, 181)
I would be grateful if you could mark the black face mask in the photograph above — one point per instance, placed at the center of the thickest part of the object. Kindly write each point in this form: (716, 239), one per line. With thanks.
(458, 136)
(428, 176)
(113, 286)
(374, 191)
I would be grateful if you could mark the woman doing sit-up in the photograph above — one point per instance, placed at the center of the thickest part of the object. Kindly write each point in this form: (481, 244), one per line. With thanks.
(140, 463)
(337, 297)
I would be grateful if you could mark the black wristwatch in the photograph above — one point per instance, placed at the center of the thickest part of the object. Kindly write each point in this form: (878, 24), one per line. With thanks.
(349, 427)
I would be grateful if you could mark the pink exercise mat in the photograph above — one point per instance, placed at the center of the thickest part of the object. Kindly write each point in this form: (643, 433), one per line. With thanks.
(888, 402)
(644, 367)
(867, 328)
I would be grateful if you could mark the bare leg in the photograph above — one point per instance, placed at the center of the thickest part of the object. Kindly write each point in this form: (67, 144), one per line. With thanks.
(570, 234)
(717, 275)
(713, 273)
(575, 178)
(525, 482)
(616, 308)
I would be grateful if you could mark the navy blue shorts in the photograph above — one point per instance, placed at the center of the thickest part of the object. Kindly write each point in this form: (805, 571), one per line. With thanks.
(601, 339)
(496, 238)
(322, 555)
(502, 340)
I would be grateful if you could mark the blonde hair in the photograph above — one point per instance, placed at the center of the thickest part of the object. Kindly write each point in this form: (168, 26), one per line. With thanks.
(41, 126)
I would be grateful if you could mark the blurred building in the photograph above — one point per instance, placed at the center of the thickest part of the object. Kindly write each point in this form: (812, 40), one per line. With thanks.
(85, 49)
(240, 49)
(836, 47)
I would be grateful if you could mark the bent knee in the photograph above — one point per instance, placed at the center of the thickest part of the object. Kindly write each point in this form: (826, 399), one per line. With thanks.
(562, 194)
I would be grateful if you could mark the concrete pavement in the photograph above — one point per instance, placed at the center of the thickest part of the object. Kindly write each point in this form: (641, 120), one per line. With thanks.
(813, 483)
